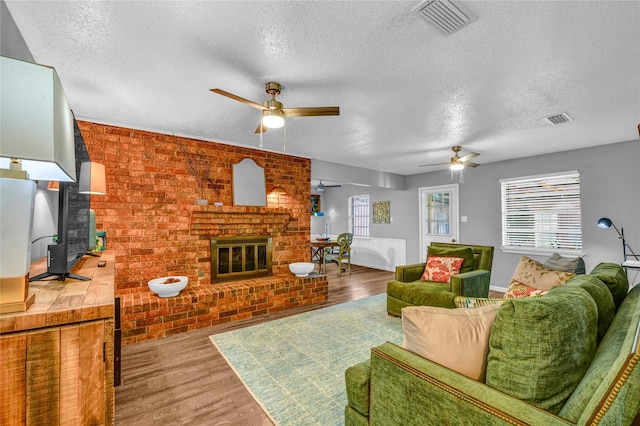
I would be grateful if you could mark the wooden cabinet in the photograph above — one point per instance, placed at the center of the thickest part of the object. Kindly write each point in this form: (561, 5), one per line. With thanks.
(57, 357)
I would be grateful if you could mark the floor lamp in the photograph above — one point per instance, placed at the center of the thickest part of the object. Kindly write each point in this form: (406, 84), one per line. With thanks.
(606, 223)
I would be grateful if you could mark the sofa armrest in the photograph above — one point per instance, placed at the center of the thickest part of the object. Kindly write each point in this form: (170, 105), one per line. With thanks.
(410, 273)
(473, 284)
(407, 389)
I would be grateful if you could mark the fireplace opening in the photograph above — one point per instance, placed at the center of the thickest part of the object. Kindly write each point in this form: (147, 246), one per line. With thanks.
(240, 257)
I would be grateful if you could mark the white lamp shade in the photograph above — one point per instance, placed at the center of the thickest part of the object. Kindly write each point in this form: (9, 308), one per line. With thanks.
(456, 166)
(36, 123)
(16, 220)
(92, 178)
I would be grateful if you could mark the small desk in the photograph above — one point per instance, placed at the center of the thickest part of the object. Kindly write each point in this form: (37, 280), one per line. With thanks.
(317, 251)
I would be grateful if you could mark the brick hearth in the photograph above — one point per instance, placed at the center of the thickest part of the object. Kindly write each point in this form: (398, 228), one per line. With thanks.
(145, 316)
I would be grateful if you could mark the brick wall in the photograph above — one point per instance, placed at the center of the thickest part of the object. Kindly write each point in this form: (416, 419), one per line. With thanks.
(154, 182)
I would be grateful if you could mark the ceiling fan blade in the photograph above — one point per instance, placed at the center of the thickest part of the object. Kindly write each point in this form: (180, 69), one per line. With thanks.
(470, 164)
(311, 111)
(261, 128)
(468, 156)
(238, 98)
(434, 164)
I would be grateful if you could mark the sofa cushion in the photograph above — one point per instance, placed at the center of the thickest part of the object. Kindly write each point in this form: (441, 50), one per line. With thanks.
(518, 289)
(421, 293)
(613, 276)
(535, 274)
(357, 381)
(617, 362)
(475, 302)
(566, 264)
(464, 252)
(540, 347)
(601, 295)
(455, 338)
(440, 269)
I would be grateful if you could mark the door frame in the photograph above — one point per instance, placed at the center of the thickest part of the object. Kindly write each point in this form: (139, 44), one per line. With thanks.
(454, 215)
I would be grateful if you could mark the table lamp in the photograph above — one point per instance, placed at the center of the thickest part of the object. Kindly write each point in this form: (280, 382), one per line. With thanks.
(36, 143)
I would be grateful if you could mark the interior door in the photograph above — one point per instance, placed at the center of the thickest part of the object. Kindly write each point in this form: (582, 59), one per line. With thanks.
(439, 220)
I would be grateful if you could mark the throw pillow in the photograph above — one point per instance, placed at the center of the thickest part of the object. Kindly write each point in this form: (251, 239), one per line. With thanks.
(464, 252)
(565, 264)
(454, 338)
(540, 347)
(535, 274)
(518, 289)
(475, 302)
(439, 269)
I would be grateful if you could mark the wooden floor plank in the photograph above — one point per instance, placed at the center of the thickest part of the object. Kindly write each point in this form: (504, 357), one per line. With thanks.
(183, 379)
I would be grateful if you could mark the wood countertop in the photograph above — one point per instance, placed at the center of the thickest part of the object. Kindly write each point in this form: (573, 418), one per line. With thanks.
(69, 301)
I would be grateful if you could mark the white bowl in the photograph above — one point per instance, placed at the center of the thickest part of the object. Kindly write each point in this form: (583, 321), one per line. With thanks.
(301, 269)
(169, 289)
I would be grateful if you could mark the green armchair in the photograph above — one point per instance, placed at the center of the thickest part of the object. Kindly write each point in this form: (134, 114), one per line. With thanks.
(473, 281)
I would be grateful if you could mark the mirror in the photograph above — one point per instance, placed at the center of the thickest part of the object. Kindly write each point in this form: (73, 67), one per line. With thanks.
(248, 184)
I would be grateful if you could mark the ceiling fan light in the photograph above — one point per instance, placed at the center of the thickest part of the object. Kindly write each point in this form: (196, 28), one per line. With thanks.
(272, 119)
(456, 166)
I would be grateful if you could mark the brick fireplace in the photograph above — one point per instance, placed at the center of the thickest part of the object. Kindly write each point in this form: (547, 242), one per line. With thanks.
(157, 226)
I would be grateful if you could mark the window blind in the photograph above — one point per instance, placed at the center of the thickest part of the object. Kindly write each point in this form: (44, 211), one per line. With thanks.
(542, 212)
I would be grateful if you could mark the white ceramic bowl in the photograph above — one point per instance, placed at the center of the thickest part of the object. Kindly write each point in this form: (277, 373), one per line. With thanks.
(168, 290)
(301, 269)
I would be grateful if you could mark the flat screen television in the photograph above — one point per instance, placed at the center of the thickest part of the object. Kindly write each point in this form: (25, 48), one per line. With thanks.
(74, 210)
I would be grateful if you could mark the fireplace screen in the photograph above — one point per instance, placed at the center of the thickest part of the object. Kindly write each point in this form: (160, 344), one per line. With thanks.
(240, 257)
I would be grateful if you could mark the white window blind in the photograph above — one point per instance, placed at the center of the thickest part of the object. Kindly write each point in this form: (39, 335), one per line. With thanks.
(359, 212)
(542, 213)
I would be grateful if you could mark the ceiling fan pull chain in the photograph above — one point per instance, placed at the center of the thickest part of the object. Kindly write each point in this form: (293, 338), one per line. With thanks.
(284, 137)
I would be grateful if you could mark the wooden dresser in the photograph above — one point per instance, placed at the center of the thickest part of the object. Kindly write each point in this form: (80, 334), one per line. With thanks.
(57, 358)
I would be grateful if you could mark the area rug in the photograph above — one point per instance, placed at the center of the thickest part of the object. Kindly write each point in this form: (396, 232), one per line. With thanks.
(294, 366)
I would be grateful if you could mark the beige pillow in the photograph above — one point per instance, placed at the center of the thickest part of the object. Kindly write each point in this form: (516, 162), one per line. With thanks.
(536, 275)
(455, 338)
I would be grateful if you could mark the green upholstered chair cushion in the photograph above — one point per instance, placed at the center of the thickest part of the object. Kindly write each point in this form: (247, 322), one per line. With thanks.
(422, 293)
(540, 347)
(357, 381)
(613, 276)
(464, 252)
(601, 295)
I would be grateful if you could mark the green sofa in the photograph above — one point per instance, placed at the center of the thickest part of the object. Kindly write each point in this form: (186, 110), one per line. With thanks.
(473, 281)
(568, 357)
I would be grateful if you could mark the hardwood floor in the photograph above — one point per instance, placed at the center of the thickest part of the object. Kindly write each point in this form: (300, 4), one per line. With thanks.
(184, 380)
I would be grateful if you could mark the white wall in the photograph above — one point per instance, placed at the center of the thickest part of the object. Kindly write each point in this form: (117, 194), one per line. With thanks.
(610, 184)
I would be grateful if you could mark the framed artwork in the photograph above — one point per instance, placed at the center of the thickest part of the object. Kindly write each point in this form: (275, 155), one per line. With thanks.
(101, 241)
(381, 212)
(315, 204)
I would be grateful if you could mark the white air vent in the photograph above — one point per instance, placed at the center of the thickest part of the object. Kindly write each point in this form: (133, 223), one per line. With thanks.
(448, 16)
(559, 118)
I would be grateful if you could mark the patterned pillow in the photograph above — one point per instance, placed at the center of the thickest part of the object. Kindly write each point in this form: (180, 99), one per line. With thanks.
(517, 289)
(439, 269)
(475, 302)
(535, 274)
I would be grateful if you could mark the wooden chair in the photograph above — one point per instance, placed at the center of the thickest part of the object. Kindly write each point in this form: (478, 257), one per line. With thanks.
(339, 254)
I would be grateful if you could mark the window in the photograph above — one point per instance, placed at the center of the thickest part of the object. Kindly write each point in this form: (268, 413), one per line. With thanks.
(542, 213)
(359, 212)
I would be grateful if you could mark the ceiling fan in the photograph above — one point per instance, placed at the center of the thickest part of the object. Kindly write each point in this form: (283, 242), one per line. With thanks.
(321, 187)
(457, 162)
(273, 112)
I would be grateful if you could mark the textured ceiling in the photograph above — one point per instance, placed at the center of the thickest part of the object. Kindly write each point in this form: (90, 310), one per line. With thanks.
(406, 91)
